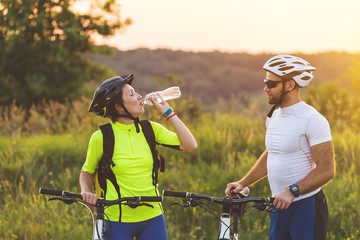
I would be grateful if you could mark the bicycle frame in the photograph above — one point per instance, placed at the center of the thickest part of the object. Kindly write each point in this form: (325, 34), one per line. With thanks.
(98, 223)
(225, 219)
(98, 228)
(229, 207)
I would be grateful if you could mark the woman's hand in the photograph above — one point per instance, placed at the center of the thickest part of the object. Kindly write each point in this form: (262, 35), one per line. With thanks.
(86, 181)
(89, 198)
(162, 106)
(187, 140)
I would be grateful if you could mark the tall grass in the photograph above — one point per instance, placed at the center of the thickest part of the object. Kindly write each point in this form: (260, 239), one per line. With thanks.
(47, 148)
(49, 117)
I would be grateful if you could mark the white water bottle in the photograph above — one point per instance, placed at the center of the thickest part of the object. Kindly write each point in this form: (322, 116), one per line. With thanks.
(167, 94)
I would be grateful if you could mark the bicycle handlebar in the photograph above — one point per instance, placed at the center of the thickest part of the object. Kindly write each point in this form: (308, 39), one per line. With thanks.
(129, 199)
(175, 194)
(100, 200)
(214, 199)
(59, 193)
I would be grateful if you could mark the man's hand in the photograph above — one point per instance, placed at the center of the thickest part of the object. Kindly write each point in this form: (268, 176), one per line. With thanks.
(283, 199)
(236, 187)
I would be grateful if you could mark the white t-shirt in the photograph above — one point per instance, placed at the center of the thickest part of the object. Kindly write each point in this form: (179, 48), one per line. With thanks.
(291, 131)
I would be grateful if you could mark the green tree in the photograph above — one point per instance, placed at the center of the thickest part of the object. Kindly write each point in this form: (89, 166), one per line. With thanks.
(339, 100)
(42, 46)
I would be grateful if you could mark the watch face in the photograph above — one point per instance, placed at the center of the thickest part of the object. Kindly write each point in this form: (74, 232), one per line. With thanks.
(295, 190)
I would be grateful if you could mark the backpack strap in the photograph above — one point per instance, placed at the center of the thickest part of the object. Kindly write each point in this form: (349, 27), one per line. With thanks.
(108, 142)
(104, 169)
(159, 162)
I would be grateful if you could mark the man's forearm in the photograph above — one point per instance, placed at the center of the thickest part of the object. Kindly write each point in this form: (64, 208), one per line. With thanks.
(324, 157)
(257, 172)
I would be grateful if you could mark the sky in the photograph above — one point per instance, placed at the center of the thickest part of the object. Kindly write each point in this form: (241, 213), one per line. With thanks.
(254, 26)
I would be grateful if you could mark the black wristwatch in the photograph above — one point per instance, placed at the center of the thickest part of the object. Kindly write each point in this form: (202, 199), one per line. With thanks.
(294, 189)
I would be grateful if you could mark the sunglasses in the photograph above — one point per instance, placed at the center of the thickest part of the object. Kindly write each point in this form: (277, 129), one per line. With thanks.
(271, 83)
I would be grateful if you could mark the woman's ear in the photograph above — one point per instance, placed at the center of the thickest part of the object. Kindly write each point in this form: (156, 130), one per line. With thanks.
(119, 109)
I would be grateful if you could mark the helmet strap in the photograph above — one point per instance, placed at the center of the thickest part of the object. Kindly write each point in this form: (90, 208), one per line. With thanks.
(128, 115)
(272, 110)
(280, 100)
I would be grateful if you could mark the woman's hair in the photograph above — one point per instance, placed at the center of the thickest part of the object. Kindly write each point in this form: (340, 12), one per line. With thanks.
(113, 113)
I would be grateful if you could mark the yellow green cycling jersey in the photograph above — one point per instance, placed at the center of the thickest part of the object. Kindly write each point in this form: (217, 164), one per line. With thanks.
(133, 168)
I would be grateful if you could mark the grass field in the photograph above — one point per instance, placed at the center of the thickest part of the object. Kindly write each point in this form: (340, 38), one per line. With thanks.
(48, 150)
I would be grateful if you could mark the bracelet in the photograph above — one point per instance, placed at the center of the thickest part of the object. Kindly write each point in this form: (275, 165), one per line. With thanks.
(168, 112)
(167, 119)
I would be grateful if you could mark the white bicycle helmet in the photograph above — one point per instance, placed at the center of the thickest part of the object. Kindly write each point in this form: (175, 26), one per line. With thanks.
(290, 67)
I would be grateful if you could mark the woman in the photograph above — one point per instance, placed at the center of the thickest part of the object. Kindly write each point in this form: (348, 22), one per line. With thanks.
(133, 161)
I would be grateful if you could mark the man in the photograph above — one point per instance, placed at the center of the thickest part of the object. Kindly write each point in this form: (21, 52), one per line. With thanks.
(299, 155)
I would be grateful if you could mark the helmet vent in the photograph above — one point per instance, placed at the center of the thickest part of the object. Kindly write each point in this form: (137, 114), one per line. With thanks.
(276, 64)
(299, 63)
(275, 59)
(306, 78)
(286, 68)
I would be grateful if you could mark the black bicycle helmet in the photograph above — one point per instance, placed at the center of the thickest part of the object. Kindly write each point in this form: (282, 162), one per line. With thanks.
(106, 93)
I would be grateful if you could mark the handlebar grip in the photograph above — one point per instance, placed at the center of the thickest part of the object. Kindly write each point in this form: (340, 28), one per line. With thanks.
(242, 194)
(59, 193)
(174, 194)
(50, 192)
(151, 199)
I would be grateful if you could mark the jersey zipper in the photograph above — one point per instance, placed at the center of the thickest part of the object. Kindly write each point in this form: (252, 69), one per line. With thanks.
(131, 142)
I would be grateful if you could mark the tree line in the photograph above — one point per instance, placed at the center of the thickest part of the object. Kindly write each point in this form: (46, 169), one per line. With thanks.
(210, 75)
(47, 54)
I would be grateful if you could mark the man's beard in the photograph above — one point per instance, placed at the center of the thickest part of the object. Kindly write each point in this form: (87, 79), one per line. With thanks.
(274, 99)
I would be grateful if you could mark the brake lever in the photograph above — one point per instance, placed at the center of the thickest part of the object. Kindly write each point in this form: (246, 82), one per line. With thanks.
(270, 210)
(64, 199)
(195, 203)
(268, 207)
(261, 206)
(186, 204)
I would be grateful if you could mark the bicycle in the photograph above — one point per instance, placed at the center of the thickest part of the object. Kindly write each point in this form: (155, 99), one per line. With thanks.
(235, 208)
(101, 204)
